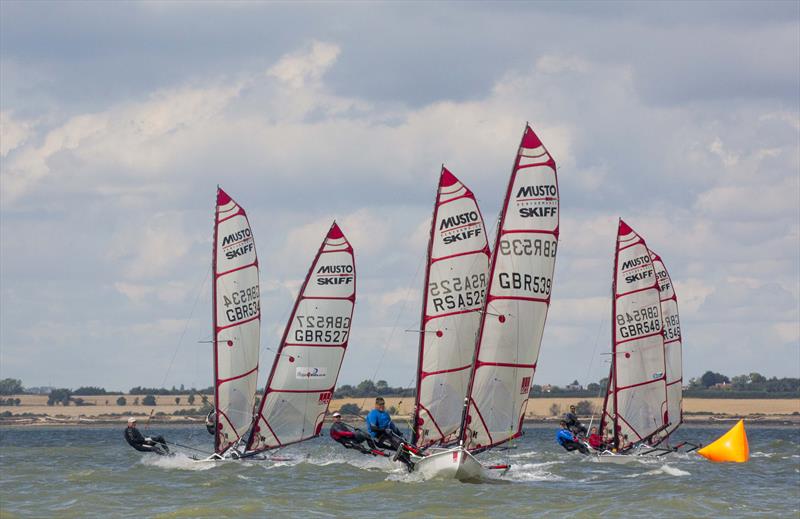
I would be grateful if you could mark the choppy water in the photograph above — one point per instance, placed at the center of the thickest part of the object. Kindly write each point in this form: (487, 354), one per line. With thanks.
(91, 472)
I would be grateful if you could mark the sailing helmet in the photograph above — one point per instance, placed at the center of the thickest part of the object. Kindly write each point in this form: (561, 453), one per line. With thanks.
(131, 420)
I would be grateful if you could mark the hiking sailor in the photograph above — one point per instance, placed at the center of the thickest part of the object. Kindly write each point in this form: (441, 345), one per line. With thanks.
(156, 444)
(573, 423)
(350, 437)
(386, 433)
(568, 440)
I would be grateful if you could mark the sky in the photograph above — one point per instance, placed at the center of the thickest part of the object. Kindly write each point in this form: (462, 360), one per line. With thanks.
(118, 120)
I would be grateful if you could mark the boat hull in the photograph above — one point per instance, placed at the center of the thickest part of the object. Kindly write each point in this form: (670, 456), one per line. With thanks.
(456, 463)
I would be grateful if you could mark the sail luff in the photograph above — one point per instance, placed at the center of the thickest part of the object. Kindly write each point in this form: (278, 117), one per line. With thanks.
(214, 322)
(520, 284)
(297, 393)
(423, 312)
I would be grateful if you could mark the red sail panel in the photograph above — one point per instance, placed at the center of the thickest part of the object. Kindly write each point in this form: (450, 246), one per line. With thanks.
(672, 345)
(237, 322)
(517, 301)
(636, 404)
(455, 284)
(310, 355)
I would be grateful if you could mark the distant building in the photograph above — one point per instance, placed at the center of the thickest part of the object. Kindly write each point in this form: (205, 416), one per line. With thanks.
(42, 390)
(721, 385)
(574, 387)
(547, 388)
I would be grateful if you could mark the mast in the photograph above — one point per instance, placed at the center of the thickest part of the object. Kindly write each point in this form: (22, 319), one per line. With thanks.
(455, 284)
(214, 319)
(236, 320)
(303, 377)
(517, 300)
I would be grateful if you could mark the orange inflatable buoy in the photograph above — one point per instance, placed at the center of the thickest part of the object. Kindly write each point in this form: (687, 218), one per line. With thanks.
(731, 446)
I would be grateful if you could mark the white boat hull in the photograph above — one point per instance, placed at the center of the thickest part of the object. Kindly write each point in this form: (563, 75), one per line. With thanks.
(456, 463)
(618, 459)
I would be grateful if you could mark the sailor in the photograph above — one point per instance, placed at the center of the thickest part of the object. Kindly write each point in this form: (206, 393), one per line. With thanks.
(573, 423)
(568, 440)
(386, 433)
(156, 444)
(595, 440)
(350, 437)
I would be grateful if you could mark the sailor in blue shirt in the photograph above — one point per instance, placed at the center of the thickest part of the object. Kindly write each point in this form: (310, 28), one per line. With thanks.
(568, 440)
(386, 433)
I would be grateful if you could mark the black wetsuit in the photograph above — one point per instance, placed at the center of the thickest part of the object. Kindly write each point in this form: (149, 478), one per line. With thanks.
(156, 444)
(574, 425)
(352, 438)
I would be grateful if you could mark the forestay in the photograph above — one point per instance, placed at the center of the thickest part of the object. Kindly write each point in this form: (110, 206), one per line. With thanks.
(672, 345)
(518, 297)
(301, 383)
(636, 399)
(236, 321)
(455, 285)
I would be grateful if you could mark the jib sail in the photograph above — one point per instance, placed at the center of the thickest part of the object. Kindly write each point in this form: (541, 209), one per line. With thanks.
(672, 345)
(236, 321)
(306, 366)
(517, 300)
(455, 284)
(636, 401)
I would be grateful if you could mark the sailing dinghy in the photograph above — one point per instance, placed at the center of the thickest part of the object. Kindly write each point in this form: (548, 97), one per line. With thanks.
(511, 322)
(456, 278)
(642, 406)
(306, 366)
(236, 317)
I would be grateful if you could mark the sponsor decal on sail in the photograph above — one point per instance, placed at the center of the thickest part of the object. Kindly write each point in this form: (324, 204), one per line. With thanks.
(310, 372)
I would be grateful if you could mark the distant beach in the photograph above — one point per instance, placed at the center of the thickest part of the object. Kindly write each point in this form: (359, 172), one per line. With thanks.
(33, 409)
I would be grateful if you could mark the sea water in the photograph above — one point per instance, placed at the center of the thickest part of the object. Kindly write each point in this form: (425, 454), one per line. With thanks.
(92, 472)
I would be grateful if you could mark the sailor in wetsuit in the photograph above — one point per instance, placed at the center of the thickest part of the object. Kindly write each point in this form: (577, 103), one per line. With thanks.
(351, 438)
(568, 440)
(156, 444)
(573, 423)
(386, 433)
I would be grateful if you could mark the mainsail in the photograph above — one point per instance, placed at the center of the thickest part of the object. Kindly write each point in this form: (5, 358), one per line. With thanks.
(513, 318)
(636, 400)
(306, 366)
(455, 285)
(236, 321)
(672, 345)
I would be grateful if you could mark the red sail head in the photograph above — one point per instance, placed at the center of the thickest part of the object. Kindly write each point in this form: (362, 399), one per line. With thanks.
(222, 197)
(447, 179)
(335, 233)
(530, 139)
(624, 229)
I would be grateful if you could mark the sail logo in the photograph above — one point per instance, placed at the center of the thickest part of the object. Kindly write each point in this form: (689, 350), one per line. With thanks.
(241, 240)
(308, 373)
(335, 275)
(640, 276)
(525, 388)
(658, 375)
(541, 190)
(325, 398)
(636, 262)
(459, 219)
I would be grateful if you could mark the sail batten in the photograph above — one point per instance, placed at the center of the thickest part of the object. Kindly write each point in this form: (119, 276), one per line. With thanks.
(236, 317)
(307, 364)
(455, 283)
(518, 297)
(635, 407)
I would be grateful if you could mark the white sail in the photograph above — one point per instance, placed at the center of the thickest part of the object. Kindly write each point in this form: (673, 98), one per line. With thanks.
(455, 284)
(672, 345)
(517, 300)
(306, 366)
(237, 322)
(636, 402)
